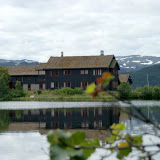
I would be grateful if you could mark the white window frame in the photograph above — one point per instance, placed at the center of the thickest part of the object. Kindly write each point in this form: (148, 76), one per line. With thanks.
(52, 84)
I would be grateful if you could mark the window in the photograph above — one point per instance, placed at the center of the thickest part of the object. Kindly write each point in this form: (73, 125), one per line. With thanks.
(54, 73)
(84, 84)
(67, 125)
(29, 87)
(67, 72)
(97, 72)
(54, 112)
(85, 125)
(97, 112)
(56, 85)
(98, 124)
(29, 78)
(84, 71)
(16, 79)
(41, 86)
(67, 112)
(84, 112)
(54, 124)
(115, 71)
(67, 84)
(114, 84)
(52, 84)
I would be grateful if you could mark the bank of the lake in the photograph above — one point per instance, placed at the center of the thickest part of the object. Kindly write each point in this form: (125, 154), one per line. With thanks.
(51, 96)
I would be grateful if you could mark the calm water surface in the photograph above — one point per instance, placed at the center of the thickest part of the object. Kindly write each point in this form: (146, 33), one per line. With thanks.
(23, 125)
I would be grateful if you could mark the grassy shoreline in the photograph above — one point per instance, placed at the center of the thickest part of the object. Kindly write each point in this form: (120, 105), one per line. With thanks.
(51, 96)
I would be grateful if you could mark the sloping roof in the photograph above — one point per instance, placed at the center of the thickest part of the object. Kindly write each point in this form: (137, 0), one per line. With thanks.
(23, 70)
(124, 78)
(41, 66)
(79, 62)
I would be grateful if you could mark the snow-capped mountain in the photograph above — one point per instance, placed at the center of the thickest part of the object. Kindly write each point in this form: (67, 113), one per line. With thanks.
(23, 62)
(135, 62)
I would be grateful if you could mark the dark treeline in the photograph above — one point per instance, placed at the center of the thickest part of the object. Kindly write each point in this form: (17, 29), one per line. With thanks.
(145, 93)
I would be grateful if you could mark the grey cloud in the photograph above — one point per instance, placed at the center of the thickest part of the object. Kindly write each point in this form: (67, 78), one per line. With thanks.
(39, 29)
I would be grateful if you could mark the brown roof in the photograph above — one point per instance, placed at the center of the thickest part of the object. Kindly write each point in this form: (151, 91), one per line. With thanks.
(41, 66)
(79, 62)
(124, 78)
(23, 70)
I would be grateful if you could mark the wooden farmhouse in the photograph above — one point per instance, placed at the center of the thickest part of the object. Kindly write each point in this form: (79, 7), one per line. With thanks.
(66, 71)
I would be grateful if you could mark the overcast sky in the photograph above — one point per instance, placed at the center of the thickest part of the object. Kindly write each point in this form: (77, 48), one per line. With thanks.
(38, 29)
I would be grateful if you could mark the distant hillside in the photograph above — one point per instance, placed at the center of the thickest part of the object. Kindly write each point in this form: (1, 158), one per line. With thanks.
(140, 77)
(23, 62)
(136, 62)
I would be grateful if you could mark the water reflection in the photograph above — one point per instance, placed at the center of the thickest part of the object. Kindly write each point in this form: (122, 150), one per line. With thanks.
(63, 118)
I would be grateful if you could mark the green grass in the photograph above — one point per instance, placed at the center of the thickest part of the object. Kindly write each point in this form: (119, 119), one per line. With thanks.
(48, 95)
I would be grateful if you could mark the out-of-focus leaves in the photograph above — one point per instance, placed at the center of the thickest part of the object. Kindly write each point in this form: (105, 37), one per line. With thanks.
(76, 138)
(90, 88)
(106, 75)
(89, 143)
(99, 80)
(58, 152)
(68, 146)
(111, 138)
(107, 81)
(123, 152)
(118, 126)
(135, 140)
(123, 144)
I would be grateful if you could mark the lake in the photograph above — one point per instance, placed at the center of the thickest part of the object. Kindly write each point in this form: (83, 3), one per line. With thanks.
(24, 125)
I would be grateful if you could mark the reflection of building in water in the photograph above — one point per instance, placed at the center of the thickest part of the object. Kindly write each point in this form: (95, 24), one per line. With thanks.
(67, 118)
(92, 118)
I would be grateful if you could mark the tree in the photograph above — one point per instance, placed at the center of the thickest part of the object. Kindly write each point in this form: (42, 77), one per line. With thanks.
(4, 84)
(18, 91)
(156, 93)
(124, 91)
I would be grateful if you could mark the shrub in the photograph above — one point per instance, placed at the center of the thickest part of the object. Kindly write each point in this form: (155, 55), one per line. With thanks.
(39, 92)
(146, 92)
(124, 91)
(68, 91)
(156, 93)
(18, 91)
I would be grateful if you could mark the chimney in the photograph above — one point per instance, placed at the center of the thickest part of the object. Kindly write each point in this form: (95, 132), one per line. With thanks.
(102, 53)
(61, 54)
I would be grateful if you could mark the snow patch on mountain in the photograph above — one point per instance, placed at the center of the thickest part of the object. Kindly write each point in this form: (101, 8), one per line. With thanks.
(149, 62)
(157, 62)
(136, 61)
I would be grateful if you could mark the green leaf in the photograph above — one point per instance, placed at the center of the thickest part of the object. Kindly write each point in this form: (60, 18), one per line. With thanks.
(90, 88)
(76, 138)
(120, 126)
(111, 138)
(50, 137)
(107, 81)
(123, 152)
(89, 143)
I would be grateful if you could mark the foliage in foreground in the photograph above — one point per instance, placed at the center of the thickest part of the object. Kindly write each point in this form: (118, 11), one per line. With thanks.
(75, 146)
